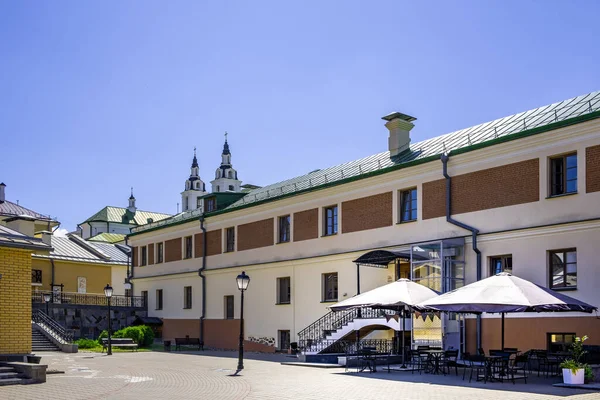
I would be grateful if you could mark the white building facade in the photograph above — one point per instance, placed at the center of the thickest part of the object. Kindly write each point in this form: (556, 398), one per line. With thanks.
(529, 185)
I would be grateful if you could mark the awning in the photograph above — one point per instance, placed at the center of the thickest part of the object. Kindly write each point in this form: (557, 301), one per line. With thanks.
(381, 258)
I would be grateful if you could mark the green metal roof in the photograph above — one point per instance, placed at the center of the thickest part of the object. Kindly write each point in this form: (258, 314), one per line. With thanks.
(526, 123)
(117, 214)
(106, 237)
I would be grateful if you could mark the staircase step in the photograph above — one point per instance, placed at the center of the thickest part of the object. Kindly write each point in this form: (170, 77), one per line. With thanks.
(5, 375)
(7, 369)
(11, 381)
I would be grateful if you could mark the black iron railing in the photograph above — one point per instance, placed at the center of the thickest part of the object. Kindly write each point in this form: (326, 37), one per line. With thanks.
(90, 299)
(346, 346)
(319, 330)
(52, 327)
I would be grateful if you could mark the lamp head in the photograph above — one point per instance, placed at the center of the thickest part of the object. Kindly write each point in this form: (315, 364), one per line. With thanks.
(108, 290)
(46, 297)
(242, 281)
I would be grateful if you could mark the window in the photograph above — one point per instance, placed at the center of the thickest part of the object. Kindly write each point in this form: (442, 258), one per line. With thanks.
(408, 205)
(231, 187)
(284, 229)
(218, 188)
(211, 205)
(500, 264)
(159, 299)
(187, 297)
(144, 257)
(284, 340)
(144, 298)
(36, 276)
(331, 220)
(187, 203)
(159, 252)
(330, 286)
(199, 203)
(560, 341)
(563, 174)
(284, 290)
(563, 269)
(188, 246)
(127, 292)
(228, 307)
(230, 175)
(230, 236)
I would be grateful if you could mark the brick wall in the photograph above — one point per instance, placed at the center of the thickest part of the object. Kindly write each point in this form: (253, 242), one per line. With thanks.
(592, 169)
(367, 213)
(502, 186)
(306, 225)
(256, 234)
(134, 257)
(151, 254)
(15, 301)
(173, 250)
(213, 243)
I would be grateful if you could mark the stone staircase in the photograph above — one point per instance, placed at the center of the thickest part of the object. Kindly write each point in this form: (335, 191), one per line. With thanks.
(39, 342)
(8, 376)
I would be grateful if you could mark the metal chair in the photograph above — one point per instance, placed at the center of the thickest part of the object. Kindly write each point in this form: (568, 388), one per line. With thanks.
(450, 360)
(517, 366)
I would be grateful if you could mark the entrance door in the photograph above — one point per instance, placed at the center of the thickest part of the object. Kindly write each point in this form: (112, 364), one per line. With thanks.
(284, 340)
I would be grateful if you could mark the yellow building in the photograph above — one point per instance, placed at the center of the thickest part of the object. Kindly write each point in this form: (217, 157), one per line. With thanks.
(15, 295)
(77, 266)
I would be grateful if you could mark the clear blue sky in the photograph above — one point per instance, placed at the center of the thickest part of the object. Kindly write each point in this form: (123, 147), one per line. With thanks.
(100, 96)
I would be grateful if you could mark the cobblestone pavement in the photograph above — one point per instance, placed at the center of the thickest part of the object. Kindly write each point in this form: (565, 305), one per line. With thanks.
(207, 375)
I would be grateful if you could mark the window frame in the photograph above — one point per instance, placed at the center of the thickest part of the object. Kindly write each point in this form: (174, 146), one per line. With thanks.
(199, 202)
(160, 254)
(284, 228)
(564, 252)
(289, 290)
(226, 299)
(503, 261)
(36, 277)
(334, 220)
(187, 297)
(413, 202)
(561, 188)
(324, 291)
(230, 239)
(188, 251)
(159, 299)
(144, 294)
(564, 343)
(211, 204)
(143, 256)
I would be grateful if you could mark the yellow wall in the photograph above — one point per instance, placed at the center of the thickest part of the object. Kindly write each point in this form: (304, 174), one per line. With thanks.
(15, 301)
(66, 272)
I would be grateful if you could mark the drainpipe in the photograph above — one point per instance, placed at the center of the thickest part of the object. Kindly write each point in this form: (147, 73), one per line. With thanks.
(52, 283)
(473, 231)
(200, 274)
(130, 269)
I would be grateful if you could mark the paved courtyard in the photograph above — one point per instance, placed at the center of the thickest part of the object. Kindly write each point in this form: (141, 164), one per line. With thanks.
(206, 375)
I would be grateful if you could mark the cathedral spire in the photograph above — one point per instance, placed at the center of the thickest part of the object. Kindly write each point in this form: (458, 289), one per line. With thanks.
(226, 146)
(226, 179)
(131, 207)
(195, 160)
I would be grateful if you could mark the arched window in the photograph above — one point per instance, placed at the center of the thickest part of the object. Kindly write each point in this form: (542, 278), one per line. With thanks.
(218, 188)
(197, 185)
(230, 175)
(231, 188)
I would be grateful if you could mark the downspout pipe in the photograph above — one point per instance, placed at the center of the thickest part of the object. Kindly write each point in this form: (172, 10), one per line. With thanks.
(130, 269)
(201, 274)
(474, 231)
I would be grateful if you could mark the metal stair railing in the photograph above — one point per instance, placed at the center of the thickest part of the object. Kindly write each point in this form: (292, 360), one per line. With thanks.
(315, 335)
(52, 327)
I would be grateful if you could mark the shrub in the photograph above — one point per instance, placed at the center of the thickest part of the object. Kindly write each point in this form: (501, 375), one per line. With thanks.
(142, 335)
(86, 343)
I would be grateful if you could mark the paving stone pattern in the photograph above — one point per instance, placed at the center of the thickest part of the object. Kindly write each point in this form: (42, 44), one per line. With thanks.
(206, 375)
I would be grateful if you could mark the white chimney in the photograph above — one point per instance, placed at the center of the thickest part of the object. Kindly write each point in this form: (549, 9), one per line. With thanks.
(47, 237)
(399, 126)
(2, 195)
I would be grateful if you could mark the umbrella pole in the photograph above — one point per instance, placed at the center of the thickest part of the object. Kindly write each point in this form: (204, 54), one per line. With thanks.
(403, 328)
(502, 348)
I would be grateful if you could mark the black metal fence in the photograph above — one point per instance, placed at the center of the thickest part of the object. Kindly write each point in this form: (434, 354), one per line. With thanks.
(89, 299)
(346, 346)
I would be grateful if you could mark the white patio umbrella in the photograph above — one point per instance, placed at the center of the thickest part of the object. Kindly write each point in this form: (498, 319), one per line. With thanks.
(394, 296)
(504, 293)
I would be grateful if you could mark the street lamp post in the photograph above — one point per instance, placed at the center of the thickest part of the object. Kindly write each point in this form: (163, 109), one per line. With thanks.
(47, 300)
(242, 282)
(108, 291)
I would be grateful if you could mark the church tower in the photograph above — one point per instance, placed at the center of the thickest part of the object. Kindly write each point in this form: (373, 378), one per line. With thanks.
(226, 179)
(194, 188)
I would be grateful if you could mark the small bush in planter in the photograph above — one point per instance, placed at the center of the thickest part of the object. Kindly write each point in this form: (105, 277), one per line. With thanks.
(574, 363)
